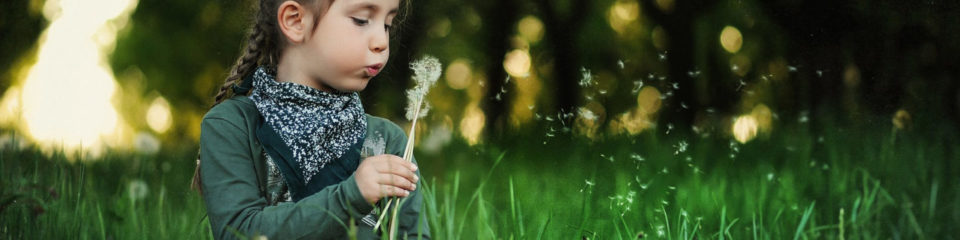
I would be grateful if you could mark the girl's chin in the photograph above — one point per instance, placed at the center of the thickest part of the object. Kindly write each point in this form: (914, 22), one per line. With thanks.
(354, 85)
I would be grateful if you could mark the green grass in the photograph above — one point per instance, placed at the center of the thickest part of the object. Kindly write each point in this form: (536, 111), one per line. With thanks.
(845, 183)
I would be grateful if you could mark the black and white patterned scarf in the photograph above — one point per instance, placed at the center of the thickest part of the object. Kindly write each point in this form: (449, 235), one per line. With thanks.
(318, 126)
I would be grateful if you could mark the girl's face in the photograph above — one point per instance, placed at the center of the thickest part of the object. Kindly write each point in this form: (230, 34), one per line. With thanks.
(349, 45)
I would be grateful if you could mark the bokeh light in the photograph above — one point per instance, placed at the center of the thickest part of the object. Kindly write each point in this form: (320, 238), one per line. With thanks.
(731, 39)
(517, 63)
(158, 115)
(458, 74)
(531, 28)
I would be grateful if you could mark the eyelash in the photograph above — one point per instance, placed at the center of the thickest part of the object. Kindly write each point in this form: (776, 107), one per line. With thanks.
(364, 22)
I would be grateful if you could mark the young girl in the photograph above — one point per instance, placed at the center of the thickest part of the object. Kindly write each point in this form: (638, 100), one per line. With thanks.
(298, 157)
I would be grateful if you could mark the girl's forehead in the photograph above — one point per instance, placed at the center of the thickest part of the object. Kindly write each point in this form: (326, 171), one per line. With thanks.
(388, 6)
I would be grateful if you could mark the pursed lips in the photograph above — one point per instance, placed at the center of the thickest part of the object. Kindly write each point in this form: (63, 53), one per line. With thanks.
(373, 70)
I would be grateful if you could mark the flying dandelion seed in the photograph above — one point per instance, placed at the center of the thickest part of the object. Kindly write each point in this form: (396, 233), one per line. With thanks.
(637, 85)
(586, 78)
(620, 64)
(791, 69)
(741, 84)
(734, 67)
(693, 73)
(663, 56)
(681, 147)
(803, 117)
(608, 158)
(769, 176)
(669, 128)
(684, 105)
(820, 73)
(587, 114)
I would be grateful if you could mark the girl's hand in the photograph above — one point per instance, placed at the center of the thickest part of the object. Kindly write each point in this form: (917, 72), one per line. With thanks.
(385, 176)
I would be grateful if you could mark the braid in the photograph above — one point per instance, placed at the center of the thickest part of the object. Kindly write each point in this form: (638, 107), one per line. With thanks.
(260, 49)
(253, 54)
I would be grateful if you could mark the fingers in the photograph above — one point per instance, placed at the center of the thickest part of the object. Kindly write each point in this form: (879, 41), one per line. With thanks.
(398, 166)
(396, 181)
(391, 191)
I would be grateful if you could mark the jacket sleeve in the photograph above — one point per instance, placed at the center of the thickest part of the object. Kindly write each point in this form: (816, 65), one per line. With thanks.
(236, 207)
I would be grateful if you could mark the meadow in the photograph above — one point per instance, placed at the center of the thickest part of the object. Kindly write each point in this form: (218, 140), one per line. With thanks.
(870, 181)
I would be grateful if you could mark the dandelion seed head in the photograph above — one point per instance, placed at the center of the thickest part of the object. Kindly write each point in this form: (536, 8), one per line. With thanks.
(426, 71)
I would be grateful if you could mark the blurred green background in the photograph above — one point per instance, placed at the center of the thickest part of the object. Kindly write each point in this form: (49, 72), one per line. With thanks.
(553, 119)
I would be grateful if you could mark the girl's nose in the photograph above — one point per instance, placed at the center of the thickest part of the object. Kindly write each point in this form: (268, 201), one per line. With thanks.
(380, 42)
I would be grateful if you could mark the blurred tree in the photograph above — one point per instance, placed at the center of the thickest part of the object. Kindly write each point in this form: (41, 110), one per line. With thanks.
(21, 22)
(678, 22)
(184, 48)
(502, 17)
(563, 21)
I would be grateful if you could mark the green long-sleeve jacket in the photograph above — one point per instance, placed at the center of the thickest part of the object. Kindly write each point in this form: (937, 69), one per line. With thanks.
(234, 181)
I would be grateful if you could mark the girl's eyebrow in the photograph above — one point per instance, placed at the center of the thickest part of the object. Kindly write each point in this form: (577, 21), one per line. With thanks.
(371, 6)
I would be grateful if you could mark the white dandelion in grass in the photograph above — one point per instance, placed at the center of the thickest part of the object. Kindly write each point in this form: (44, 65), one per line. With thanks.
(426, 71)
(137, 190)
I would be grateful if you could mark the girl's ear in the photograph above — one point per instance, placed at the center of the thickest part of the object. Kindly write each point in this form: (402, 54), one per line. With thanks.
(293, 20)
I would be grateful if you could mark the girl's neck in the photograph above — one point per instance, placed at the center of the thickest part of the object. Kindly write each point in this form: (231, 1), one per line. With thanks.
(292, 73)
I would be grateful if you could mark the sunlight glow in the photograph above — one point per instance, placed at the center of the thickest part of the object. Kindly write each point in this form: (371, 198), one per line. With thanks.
(66, 96)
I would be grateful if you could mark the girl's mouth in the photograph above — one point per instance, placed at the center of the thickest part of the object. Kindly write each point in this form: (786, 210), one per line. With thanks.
(372, 70)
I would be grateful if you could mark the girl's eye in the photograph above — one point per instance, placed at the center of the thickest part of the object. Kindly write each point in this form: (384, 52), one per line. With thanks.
(360, 22)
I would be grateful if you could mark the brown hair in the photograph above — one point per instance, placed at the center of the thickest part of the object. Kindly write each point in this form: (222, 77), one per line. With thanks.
(263, 47)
